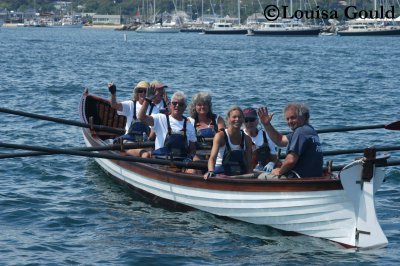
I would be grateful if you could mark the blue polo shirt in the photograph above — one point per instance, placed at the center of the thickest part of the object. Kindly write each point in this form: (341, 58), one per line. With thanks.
(304, 142)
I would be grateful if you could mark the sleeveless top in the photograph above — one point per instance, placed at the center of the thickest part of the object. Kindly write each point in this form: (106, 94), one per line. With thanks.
(231, 156)
(207, 132)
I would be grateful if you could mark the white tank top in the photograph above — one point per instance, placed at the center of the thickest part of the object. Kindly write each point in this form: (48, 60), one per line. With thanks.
(221, 150)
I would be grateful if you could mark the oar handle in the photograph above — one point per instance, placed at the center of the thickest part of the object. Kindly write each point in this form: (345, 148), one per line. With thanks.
(64, 121)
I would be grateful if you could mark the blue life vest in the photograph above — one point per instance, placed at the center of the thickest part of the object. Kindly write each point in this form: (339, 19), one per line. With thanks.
(208, 132)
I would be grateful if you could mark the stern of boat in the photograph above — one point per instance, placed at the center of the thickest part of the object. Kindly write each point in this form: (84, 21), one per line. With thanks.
(360, 180)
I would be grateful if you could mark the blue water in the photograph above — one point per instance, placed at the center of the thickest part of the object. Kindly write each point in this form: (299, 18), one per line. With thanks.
(63, 210)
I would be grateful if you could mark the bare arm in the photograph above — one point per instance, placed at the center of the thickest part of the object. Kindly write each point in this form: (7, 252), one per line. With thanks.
(114, 104)
(113, 98)
(152, 135)
(265, 118)
(143, 117)
(218, 142)
(287, 165)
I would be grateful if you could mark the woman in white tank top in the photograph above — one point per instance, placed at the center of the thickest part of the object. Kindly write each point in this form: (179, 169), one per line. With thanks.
(231, 152)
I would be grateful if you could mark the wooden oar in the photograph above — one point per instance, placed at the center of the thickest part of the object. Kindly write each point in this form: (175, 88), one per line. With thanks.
(125, 146)
(391, 126)
(64, 121)
(188, 165)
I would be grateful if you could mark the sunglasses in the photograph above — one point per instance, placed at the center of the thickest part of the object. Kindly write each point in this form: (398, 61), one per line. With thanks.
(250, 119)
(141, 90)
(178, 104)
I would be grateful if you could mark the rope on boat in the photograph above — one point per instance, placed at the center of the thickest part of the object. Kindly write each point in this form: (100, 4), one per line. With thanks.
(359, 161)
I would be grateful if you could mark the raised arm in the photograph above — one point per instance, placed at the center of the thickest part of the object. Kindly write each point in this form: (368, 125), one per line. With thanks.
(113, 98)
(142, 116)
(265, 118)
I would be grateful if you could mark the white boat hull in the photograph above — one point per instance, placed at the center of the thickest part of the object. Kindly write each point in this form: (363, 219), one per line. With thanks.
(328, 214)
(340, 210)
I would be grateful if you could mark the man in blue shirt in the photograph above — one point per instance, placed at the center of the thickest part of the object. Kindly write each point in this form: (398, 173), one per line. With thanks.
(303, 153)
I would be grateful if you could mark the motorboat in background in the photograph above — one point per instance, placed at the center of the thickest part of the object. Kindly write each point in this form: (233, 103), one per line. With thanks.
(284, 28)
(225, 28)
(371, 27)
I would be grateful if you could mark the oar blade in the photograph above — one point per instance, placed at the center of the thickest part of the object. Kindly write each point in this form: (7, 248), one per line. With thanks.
(393, 126)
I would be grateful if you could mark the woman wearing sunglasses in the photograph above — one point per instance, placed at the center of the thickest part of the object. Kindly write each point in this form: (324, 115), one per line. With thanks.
(231, 150)
(264, 150)
(136, 131)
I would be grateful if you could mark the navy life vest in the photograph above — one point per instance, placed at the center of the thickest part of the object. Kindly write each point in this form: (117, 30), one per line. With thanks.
(233, 160)
(175, 145)
(138, 131)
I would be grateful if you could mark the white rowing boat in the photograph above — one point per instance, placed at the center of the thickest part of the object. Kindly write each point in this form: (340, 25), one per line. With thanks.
(339, 208)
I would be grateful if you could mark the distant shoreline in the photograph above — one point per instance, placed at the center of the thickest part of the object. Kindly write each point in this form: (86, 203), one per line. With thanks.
(12, 25)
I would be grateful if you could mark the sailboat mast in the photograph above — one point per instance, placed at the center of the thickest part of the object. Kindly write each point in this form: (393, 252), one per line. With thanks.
(291, 7)
(202, 11)
(238, 2)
